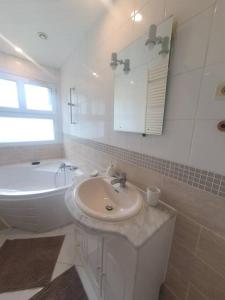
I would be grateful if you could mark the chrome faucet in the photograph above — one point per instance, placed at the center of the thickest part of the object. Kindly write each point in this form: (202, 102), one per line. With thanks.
(120, 178)
(63, 166)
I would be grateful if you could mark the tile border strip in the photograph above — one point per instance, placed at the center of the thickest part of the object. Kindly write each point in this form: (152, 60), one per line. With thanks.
(201, 179)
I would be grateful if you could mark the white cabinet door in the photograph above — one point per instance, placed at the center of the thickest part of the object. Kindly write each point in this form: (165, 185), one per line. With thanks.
(94, 258)
(119, 264)
(91, 254)
(81, 243)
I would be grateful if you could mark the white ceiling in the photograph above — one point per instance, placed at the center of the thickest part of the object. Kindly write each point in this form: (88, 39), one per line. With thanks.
(63, 20)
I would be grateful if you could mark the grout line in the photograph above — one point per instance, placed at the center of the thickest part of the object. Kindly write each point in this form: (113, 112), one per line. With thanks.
(202, 261)
(197, 14)
(171, 292)
(198, 240)
(200, 86)
(200, 292)
(214, 233)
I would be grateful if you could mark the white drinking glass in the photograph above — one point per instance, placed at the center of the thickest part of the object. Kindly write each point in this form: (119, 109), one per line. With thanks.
(153, 194)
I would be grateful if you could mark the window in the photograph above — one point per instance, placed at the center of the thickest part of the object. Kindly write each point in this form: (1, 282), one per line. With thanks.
(27, 111)
(17, 130)
(8, 94)
(38, 97)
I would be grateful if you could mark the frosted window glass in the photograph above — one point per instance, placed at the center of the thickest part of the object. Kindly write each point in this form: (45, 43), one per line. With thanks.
(8, 94)
(26, 130)
(38, 97)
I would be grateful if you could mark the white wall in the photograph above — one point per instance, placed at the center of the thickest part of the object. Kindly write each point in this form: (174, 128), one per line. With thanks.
(20, 67)
(198, 65)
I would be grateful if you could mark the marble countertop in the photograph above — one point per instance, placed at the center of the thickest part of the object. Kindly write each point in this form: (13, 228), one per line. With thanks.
(137, 229)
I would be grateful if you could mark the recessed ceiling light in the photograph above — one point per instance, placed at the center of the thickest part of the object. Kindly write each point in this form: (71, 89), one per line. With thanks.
(95, 74)
(42, 35)
(136, 16)
(19, 50)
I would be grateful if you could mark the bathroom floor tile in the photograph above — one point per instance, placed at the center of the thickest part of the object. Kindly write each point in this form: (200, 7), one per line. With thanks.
(59, 269)
(21, 295)
(2, 240)
(68, 256)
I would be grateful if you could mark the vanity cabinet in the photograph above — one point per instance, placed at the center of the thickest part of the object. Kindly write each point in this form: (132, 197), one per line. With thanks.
(118, 270)
(90, 248)
(119, 266)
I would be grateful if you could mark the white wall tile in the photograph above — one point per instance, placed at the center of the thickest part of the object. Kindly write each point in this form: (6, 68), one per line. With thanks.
(208, 146)
(183, 94)
(122, 10)
(190, 93)
(183, 10)
(210, 105)
(216, 51)
(118, 139)
(175, 142)
(153, 13)
(190, 44)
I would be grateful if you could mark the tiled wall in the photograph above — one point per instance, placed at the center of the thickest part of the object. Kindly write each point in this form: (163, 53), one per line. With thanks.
(196, 268)
(20, 154)
(201, 179)
(197, 66)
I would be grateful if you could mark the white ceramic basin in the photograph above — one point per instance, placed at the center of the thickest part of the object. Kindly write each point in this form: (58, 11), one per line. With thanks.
(99, 199)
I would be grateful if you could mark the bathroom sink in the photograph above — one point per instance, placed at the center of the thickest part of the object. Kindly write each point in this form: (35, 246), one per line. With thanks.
(98, 198)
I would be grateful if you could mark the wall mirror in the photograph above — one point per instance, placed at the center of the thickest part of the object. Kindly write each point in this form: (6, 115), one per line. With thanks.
(140, 81)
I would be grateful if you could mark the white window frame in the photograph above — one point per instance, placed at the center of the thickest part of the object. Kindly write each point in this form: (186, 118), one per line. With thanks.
(23, 112)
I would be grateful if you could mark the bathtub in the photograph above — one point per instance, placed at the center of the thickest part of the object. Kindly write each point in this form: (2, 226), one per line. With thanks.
(32, 196)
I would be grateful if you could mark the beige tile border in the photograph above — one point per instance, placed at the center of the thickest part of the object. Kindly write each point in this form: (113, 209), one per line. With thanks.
(201, 179)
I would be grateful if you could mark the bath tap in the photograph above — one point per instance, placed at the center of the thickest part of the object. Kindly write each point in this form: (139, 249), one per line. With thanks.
(120, 178)
(64, 166)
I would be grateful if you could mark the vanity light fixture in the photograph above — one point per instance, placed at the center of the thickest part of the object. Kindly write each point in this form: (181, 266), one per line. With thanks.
(136, 16)
(115, 62)
(153, 40)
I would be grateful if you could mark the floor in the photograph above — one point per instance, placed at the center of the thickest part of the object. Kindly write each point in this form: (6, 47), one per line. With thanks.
(68, 256)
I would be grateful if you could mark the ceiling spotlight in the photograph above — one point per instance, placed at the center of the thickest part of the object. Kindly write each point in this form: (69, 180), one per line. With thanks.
(95, 74)
(42, 35)
(19, 50)
(136, 16)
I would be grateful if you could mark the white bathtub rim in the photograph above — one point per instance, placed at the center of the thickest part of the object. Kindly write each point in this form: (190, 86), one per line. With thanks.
(25, 194)
(42, 162)
(13, 195)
